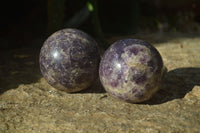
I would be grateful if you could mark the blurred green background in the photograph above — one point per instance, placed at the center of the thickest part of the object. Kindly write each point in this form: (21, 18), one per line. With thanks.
(23, 21)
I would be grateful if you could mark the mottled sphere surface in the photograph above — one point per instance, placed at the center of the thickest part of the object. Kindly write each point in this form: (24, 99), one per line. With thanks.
(69, 60)
(131, 70)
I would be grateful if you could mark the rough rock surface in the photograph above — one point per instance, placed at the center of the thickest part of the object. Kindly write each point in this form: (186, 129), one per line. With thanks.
(29, 104)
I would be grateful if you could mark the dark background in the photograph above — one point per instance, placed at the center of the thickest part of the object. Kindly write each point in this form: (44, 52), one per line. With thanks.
(23, 21)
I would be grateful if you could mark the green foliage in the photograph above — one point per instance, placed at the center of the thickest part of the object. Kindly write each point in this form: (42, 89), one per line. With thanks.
(90, 6)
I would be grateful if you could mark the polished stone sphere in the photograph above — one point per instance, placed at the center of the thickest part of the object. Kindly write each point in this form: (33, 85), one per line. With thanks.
(69, 60)
(131, 70)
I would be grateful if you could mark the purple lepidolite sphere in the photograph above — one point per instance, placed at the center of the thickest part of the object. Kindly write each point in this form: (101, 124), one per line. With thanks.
(69, 60)
(131, 70)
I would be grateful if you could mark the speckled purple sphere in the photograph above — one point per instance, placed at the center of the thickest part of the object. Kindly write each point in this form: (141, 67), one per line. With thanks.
(131, 70)
(69, 60)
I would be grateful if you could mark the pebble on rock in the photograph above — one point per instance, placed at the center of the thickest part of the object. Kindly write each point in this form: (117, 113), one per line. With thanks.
(131, 70)
(69, 60)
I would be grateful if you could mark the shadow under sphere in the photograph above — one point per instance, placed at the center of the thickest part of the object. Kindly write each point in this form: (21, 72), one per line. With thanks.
(177, 84)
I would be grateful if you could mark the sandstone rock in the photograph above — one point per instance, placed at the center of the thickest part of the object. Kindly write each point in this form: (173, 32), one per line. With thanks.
(31, 105)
